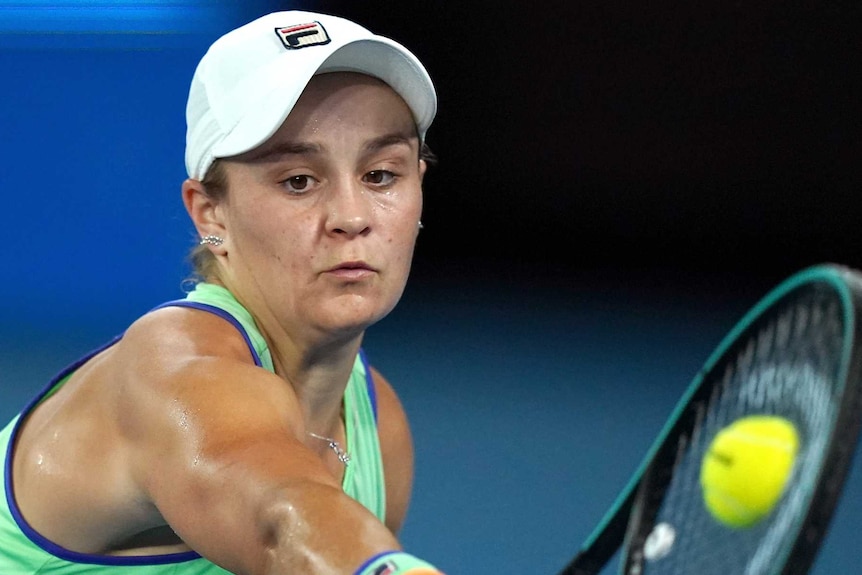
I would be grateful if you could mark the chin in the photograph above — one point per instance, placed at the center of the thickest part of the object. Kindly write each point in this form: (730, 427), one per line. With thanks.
(361, 311)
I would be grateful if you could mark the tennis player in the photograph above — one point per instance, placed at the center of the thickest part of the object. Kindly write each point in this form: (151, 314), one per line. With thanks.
(241, 429)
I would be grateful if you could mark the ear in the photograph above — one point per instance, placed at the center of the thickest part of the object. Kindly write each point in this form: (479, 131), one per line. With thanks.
(423, 167)
(203, 211)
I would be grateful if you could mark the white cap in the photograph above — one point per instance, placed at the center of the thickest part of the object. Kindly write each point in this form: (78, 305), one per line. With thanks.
(249, 80)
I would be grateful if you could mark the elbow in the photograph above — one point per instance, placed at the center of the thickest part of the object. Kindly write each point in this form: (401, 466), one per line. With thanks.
(285, 533)
(315, 528)
(308, 529)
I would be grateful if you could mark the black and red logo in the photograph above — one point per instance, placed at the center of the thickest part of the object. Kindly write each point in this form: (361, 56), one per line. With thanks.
(303, 35)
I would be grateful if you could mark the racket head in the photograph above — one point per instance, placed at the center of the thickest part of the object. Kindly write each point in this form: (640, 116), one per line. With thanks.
(796, 354)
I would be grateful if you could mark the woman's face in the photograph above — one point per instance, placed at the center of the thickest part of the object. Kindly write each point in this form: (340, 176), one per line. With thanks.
(321, 220)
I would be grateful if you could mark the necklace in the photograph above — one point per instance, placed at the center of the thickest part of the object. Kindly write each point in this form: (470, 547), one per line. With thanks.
(342, 455)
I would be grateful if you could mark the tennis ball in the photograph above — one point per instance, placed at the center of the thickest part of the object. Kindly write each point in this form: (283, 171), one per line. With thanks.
(746, 468)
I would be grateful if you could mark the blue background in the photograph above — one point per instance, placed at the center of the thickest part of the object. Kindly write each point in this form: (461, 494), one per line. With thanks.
(616, 188)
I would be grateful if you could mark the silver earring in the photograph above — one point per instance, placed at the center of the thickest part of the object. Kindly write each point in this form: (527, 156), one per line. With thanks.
(420, 225)
(211, 240)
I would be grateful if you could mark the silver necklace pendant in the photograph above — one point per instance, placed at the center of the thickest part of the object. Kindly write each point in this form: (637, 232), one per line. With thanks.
(342, 455)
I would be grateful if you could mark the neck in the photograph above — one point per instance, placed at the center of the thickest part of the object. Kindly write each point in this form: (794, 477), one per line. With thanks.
(316, 365)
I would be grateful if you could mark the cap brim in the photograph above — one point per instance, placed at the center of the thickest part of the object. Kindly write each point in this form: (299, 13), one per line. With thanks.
(392, 63)
(281, 84)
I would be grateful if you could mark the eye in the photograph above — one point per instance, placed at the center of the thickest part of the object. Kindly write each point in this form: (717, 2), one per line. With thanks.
(298, 184)
(379, 177)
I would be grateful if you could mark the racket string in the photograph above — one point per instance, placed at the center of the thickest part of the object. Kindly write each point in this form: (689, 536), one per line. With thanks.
(786, 367)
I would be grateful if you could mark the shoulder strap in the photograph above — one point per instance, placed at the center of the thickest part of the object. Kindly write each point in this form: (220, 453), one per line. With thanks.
(369, 382)
(222, 314)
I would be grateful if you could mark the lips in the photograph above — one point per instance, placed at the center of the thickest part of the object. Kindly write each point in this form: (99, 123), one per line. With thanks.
(347, 266)
(351, 270)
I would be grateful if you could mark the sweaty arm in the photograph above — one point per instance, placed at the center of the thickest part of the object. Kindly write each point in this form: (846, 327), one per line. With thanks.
(214, 447)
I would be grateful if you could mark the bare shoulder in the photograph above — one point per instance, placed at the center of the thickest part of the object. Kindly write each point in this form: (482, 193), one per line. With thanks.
(396, 444)
(134, 416)
(184, 368)
(177, 334)
(190, 353)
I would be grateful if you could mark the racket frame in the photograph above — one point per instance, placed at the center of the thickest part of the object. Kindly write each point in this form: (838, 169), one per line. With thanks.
(622, 524)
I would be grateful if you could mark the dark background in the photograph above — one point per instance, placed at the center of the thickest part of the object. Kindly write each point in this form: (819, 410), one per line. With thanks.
(708, 136)
(618, 183)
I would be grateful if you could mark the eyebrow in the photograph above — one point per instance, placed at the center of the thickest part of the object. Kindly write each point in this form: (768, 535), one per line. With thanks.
(394, 139)
(300, 148)
(268, 153)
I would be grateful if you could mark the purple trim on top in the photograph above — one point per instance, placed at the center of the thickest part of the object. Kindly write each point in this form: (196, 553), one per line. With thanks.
(369, 378)
(39, 539)
(222, 314)
(86, 558)
(369, 382)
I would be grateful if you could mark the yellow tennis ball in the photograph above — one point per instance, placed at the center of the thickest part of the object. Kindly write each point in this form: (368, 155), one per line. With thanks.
(746, 468)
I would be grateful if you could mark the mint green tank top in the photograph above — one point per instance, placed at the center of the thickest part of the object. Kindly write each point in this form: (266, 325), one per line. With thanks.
(23, 551)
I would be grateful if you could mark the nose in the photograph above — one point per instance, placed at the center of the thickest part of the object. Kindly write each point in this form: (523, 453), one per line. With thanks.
(349, 210)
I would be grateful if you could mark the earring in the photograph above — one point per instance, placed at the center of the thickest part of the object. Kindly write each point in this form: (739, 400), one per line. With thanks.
(211, 241)
(421, 226)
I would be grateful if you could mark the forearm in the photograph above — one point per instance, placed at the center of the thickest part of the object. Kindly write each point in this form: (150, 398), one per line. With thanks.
(305, 539)
(317, 529)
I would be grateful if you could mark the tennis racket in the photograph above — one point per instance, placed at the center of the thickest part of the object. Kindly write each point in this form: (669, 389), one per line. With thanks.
(798, 355)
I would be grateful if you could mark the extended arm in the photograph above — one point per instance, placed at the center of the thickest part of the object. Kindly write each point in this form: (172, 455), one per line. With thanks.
(214, 445)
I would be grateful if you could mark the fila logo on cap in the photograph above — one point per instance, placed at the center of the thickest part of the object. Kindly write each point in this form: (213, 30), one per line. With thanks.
(303, 35)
